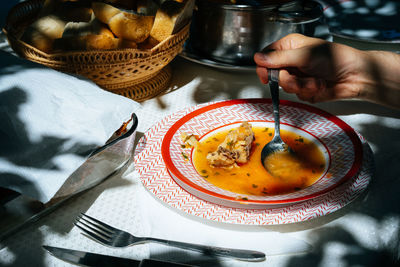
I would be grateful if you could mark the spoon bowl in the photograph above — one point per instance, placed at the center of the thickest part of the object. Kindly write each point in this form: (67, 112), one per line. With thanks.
(276, 145)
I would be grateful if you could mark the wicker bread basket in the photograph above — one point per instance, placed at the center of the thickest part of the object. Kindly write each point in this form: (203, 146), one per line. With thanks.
(134, 73)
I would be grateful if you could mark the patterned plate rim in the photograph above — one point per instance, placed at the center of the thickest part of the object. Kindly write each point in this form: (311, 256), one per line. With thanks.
(196, 188)
(156, 179)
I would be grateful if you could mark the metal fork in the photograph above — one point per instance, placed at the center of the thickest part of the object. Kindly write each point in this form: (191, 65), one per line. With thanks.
(113, 237)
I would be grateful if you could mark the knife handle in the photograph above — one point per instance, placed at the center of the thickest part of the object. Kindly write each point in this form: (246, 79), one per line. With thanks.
(240, 254)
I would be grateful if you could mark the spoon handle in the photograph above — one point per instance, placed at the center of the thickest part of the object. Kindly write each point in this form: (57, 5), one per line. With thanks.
(273, 78)
(273, 75)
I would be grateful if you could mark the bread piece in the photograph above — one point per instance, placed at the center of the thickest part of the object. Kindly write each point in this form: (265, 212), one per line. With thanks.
(92, 42)
(99, 42)
(104, 12)
(68, 10)
(85, 36)
(92, 35)
(126, 4)
(76, 14)
(85, 28)
(149, 43)
(126, 25)
(147, 7)
(86, 43)
(42, 33)
(170, 18)
(122, 43)
(51, 21)
(131, 26)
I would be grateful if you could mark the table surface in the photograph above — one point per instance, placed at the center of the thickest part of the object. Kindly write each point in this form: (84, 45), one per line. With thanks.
(364, 233)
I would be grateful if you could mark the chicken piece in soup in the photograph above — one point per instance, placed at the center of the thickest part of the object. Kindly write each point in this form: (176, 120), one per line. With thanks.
(234, 149)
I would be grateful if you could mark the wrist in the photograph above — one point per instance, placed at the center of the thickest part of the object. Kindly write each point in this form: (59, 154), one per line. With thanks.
(381, 78)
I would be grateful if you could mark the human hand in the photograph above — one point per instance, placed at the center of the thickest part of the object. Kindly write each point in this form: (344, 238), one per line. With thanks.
(313, 69)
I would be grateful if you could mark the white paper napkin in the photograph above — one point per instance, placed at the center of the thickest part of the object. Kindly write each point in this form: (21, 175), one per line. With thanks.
(49, 122)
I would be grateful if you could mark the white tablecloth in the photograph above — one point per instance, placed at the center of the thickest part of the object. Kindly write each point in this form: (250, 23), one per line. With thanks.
(364, 233)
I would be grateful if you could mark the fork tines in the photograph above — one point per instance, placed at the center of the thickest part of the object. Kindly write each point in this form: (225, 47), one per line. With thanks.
(94, 228)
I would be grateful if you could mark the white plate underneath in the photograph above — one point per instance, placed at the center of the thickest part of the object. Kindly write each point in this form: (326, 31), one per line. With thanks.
(156, 178)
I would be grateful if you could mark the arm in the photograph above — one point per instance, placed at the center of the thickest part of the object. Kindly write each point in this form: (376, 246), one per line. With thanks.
(316, 70)
(385, 88)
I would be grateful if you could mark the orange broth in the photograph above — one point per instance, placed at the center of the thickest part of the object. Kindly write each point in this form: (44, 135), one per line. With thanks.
(252, 178)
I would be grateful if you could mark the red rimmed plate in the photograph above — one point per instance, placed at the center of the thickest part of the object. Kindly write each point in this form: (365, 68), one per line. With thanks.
(156, 179)
(338, 141)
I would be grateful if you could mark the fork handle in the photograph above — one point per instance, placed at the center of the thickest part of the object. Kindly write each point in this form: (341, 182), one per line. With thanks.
(241, 254)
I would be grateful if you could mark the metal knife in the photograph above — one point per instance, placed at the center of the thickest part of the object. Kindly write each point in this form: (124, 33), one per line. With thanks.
(83, 258)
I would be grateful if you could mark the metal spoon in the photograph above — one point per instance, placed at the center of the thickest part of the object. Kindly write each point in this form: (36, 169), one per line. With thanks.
(276, 144)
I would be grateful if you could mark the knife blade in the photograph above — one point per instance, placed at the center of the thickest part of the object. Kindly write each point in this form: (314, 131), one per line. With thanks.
(83, 258)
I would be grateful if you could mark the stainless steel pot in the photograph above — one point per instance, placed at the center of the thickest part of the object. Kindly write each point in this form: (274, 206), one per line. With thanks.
(232, 33)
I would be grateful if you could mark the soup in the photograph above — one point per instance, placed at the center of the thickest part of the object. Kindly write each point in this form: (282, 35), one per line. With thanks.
(251, 178)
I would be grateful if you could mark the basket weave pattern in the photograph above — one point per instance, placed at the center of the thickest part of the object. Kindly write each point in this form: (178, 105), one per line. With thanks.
(130, 72)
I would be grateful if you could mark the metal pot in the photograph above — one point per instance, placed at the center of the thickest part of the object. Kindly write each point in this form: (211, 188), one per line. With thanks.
(232, 33)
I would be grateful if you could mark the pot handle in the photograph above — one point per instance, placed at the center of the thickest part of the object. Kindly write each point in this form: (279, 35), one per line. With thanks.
(302, 12)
